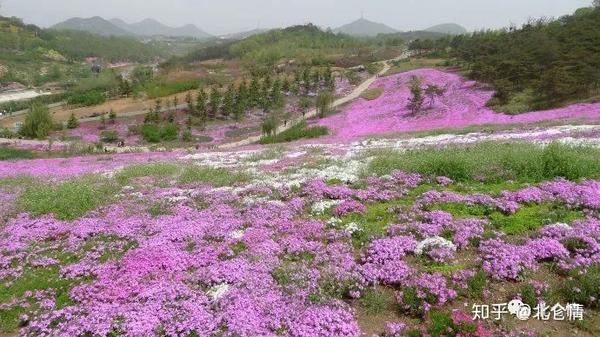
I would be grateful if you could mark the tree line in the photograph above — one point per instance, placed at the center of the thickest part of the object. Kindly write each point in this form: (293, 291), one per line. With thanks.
(543, 64)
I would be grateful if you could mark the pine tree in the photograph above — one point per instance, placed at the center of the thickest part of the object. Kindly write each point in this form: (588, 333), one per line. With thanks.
(316, 78)
(215, 103)
(416, 101)
(238, 112)
(254, 92)
(72, 123)
(202, 108)
(190, 104)
(112, 116)
(328, 79)
(189, 122)
(324, 102)
(277, 99)
(306, 80)
(242, 92)
(229, 101)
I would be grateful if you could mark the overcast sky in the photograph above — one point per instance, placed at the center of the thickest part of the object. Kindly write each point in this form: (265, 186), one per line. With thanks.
(228, 16)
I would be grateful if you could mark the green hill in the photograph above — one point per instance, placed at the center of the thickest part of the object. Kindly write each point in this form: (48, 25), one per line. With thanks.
(448, 28)
(363, 27)
(304, 45)
(34, 56)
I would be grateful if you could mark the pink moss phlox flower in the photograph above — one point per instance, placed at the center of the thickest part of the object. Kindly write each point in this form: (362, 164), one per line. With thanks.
(350, 206)
(505, 261)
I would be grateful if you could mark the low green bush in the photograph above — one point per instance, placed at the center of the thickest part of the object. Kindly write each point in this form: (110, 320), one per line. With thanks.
(109, 136)
(169, 132)
(298, 131)
(87, 98)
(155, 134)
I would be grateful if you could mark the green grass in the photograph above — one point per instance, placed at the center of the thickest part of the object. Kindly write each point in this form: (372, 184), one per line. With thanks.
(374, 222)
(460, 210)
(372, 94)
(184, 174)
(494, 162)
(32, 279)
(298, 131)
(157, 209)
(376, 301)
(214, 176)
(445, 269)
(581, 287)
(67, 200)
(403, 66)
(162, 89)
(161, 169)
(527, 218)
(532, 217)
(10, 154)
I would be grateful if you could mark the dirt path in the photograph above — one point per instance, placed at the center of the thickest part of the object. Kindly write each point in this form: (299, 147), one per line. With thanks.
(312, 113)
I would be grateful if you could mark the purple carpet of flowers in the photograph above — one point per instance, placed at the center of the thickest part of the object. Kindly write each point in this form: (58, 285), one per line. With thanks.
(462, 105)
(255, 261)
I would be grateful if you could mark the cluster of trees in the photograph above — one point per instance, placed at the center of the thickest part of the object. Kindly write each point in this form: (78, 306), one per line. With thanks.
(307, 44)
(265, 93)
(419, 95)
(543, 64)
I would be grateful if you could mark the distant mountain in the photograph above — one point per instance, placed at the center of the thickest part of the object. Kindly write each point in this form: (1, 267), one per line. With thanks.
(363, 27)
(118, 27)
(448, 29)
(95, 25)
(151, 27)
(120, 23)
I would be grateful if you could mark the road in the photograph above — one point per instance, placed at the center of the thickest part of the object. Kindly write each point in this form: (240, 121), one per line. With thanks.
(312, 113)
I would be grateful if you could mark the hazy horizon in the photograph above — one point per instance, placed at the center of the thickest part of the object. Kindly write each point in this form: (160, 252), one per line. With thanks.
(230, 16)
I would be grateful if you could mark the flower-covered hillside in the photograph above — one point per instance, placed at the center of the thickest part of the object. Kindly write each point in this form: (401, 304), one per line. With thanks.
(348, 245)
(462, 105)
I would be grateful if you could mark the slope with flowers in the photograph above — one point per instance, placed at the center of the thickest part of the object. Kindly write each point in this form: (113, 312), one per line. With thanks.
(297, 242)
(462, 105)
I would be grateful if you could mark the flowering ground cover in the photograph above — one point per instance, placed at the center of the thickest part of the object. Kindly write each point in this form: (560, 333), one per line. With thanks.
(462, 105)
(303, 241)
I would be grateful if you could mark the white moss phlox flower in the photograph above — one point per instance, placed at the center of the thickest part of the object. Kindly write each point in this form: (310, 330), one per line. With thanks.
(353, 227)
(218, 291)
(433, 242)
(320, 207)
